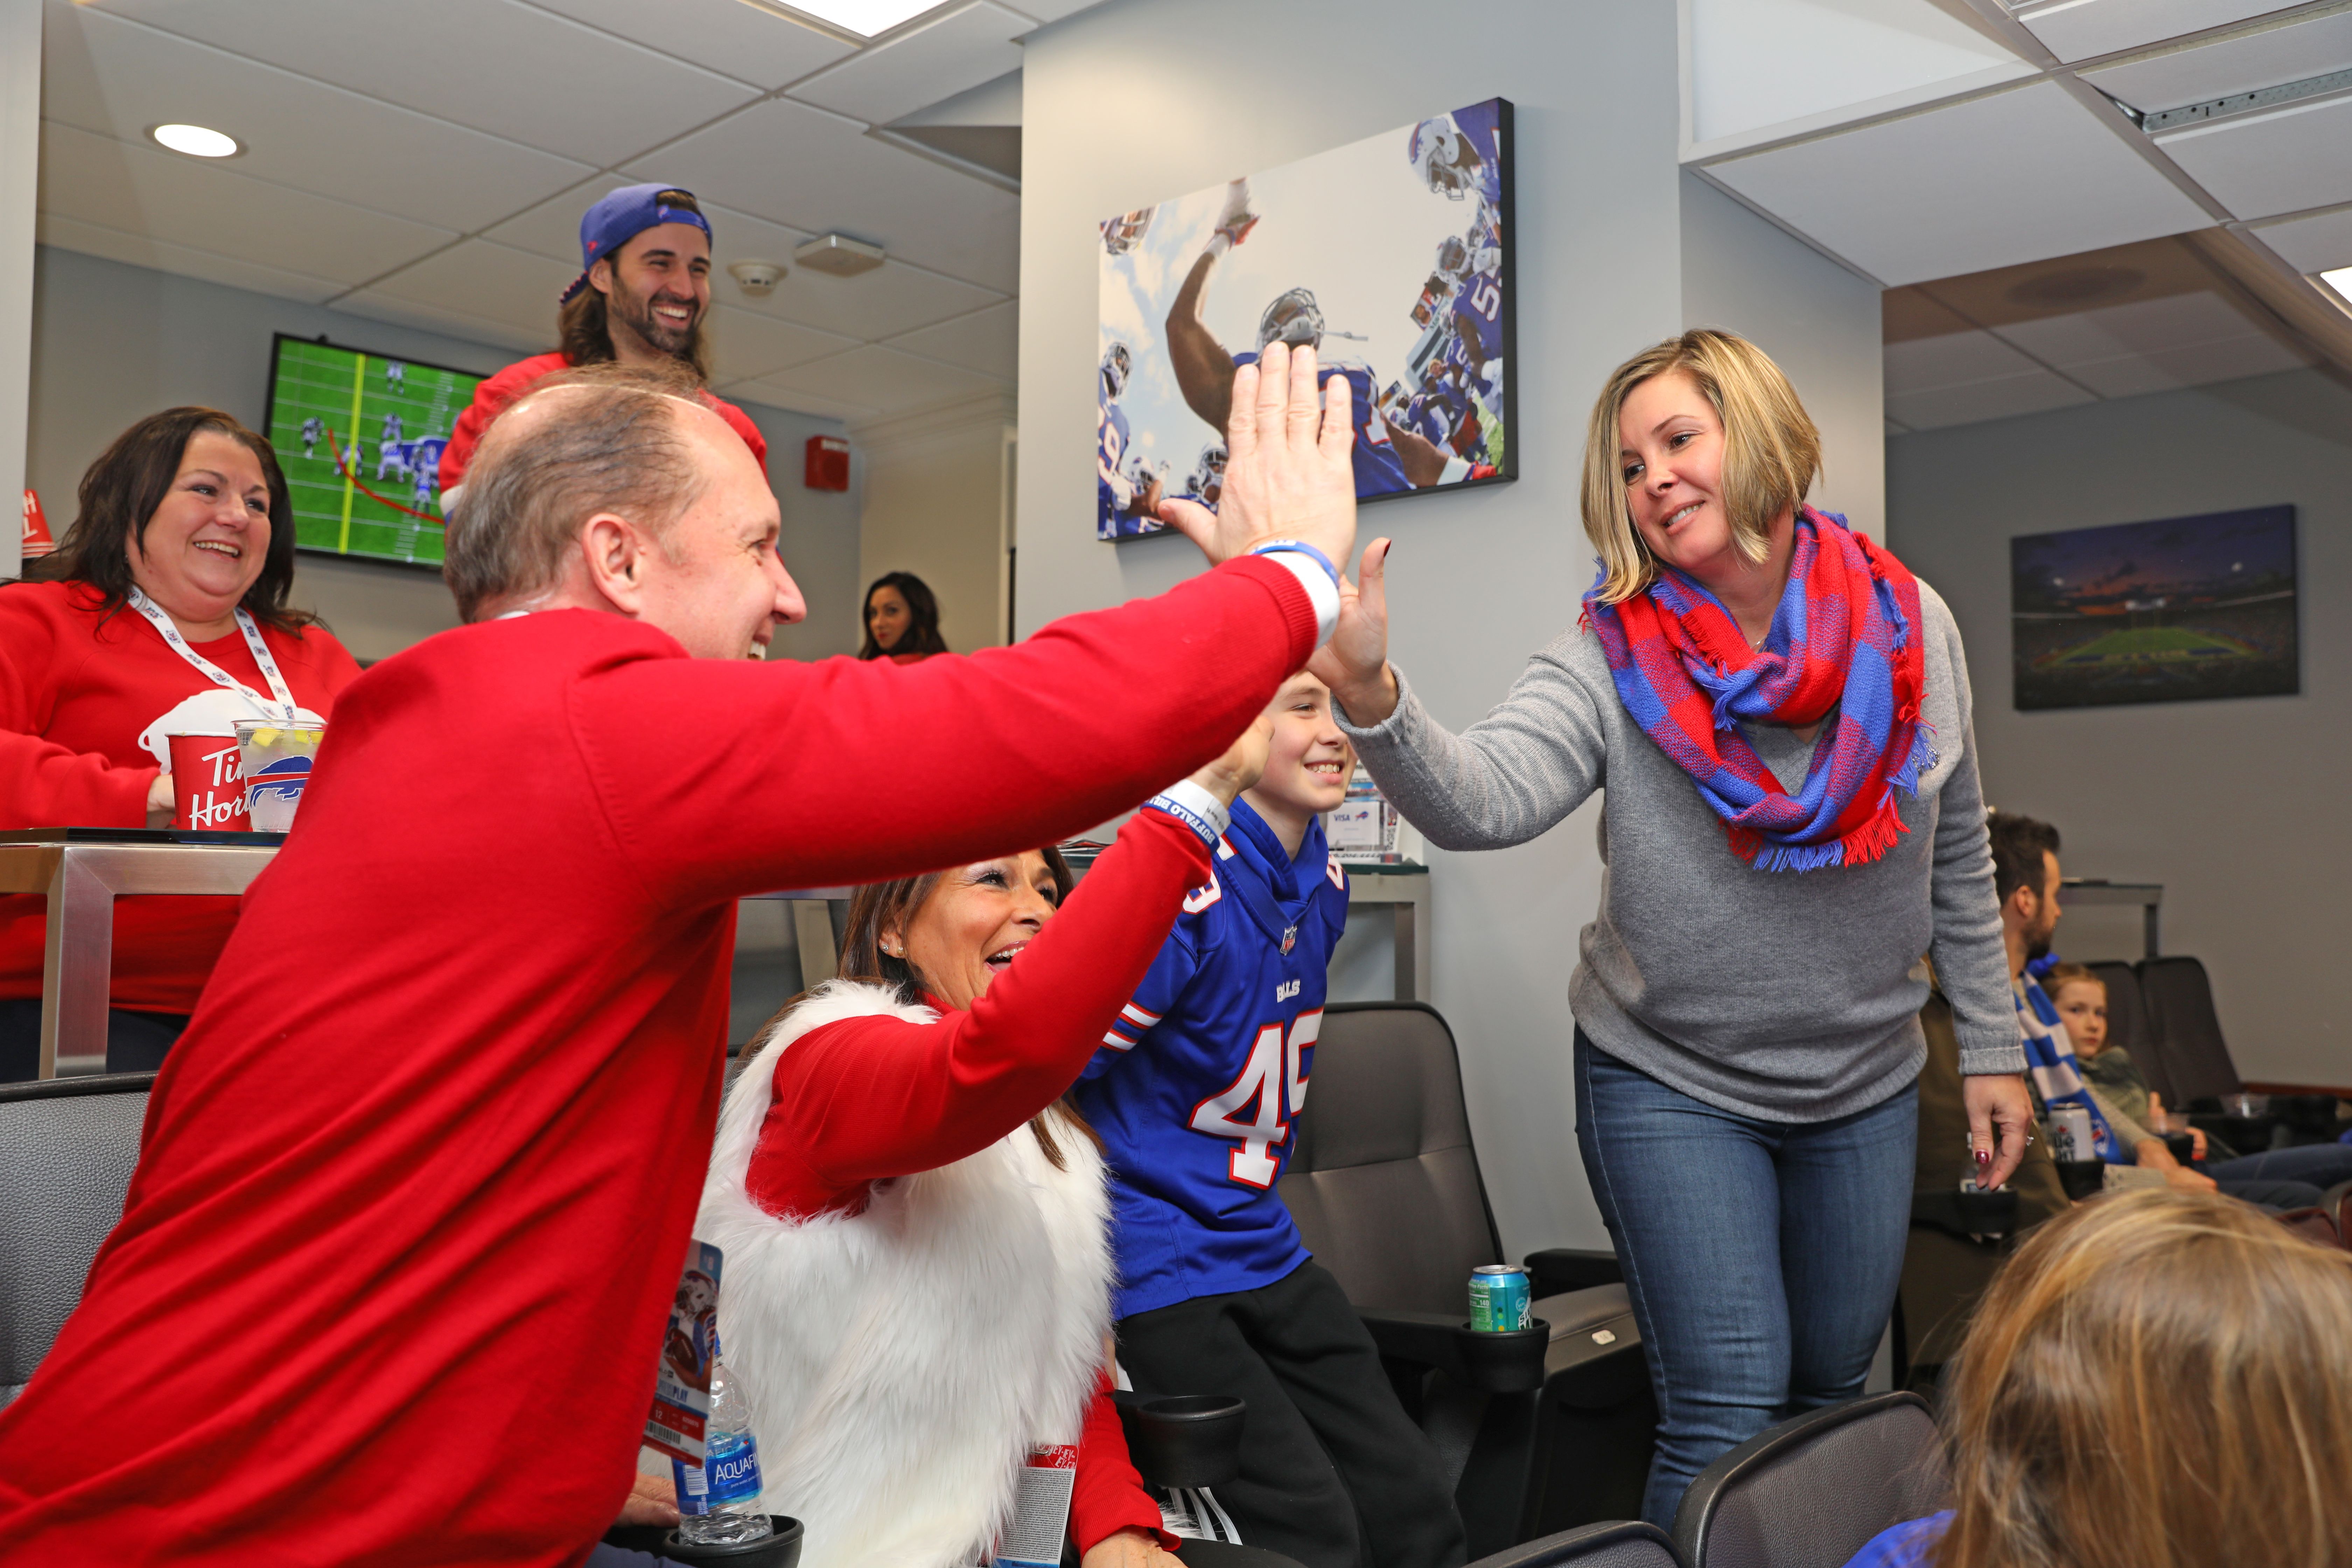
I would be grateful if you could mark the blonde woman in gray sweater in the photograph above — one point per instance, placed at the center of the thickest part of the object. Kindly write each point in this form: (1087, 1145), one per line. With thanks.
(1778, 714)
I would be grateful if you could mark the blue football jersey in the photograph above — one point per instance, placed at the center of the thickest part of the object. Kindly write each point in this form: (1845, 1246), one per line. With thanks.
(1378, 470)
(1481, 125)
(1195, 1087)
(1478, 314)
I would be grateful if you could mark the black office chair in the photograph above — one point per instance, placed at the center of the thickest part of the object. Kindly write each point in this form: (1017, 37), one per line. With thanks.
(1542, 1433)
(67, 1149)
(1625, 1543)
(1811, 1491)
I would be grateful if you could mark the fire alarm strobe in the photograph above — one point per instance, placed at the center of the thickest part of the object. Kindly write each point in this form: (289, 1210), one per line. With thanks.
(828, 463)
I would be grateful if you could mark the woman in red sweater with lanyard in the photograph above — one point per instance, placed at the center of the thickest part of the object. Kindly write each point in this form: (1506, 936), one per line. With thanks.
(914, 1223)
(169, 617)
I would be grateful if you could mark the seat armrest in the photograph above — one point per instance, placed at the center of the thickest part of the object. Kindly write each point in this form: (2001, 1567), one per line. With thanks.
(1557, 1270)
(1507, 1363)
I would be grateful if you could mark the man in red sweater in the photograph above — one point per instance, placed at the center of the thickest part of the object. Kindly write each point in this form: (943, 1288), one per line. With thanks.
(417, 1182)
(643, 291)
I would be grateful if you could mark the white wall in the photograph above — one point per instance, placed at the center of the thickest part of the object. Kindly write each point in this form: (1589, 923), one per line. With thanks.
(2236, 806)
(937, 503)
(1479, 579)
(112, 342)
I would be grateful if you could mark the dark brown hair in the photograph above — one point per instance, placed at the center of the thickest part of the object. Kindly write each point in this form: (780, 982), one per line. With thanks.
(2019, 842)
(613, 445)
(2157, 1379)
(587, 331)
(893, 905)
(922, 616)
(122, 489)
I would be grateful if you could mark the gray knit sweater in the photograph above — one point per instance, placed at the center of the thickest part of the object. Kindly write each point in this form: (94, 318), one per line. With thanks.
(1787, 996)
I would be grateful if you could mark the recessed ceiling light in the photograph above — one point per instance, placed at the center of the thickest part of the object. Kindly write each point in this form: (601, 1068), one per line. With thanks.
(863, 18)
(2340, 279)
(197, 141)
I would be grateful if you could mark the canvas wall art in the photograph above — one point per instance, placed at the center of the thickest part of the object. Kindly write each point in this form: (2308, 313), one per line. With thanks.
(2182, 609)
(1392, 256)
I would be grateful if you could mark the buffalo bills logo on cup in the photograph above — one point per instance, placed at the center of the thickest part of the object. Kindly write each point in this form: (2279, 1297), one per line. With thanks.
(271, 794)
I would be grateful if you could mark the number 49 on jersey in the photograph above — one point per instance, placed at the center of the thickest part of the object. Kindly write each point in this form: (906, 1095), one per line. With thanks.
(1270, 1090)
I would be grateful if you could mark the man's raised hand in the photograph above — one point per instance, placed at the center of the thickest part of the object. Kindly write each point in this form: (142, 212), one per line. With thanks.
(1288, 474)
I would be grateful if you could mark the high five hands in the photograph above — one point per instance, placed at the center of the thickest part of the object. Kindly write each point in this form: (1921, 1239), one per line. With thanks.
(1287, 472)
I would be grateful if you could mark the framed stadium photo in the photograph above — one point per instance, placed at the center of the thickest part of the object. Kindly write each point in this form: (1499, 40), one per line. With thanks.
(360, 436)
(1392, 256)
(2175, 611)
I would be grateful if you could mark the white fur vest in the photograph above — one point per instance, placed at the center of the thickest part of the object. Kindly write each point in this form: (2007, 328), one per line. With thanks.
(902, 1361)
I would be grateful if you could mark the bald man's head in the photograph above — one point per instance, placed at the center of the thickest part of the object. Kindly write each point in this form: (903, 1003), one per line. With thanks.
(601, 438)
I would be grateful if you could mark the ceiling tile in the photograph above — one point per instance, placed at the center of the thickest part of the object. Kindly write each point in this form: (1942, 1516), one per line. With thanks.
(2144, 326)
(986, 340)
(210, 207)
(2311, 244)
(2000, 399)
(1922, 364)
(802, 167)
(552, 227)
(2014, 176)
(893, 297)
(495, 65)
(736, 39)
(2258, 166)
(433, 319)
(2078, 29)
(882, 379)
(936, 60)
(489, 282)
(792, 398)
(139, 250)
(2168, 370)
(745, 346)
(1055, 10)
(2266, 58)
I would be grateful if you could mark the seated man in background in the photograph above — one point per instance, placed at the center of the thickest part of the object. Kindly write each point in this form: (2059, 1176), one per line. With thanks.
(391, 1280)
(2025, 878)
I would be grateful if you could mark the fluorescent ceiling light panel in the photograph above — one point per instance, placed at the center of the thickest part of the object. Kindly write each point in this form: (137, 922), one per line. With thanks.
(2340, 279)
(863, 18)
(197, 141)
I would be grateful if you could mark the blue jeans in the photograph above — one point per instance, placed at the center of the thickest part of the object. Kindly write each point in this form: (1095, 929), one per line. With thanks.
(1761, 1257)
(2320, 1164)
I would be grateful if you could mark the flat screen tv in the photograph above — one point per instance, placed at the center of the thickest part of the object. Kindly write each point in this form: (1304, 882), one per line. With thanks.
(360, 436)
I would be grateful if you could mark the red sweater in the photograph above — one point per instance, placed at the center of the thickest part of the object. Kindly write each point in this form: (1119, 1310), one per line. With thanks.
(491, 397)
(408, 1217)
(869, 1099)
(78, 687)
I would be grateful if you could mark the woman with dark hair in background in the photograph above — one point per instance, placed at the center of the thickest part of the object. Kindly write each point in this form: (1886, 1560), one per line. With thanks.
(916, 1221)
(902, 620)
(166, 613)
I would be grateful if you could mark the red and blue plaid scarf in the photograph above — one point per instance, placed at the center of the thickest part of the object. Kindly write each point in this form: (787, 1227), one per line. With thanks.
(1846, 636)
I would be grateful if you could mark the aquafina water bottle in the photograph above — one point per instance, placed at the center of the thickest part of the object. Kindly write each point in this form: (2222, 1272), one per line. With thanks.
(719, 1500)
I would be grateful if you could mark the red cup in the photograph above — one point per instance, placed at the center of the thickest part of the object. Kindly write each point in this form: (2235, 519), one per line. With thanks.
(208, 784)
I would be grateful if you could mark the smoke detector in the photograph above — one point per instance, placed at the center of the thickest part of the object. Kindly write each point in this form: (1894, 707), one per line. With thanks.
(757, 279)
(838, 254)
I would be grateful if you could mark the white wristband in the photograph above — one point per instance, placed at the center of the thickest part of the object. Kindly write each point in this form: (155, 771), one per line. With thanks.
(1320, 588)
(1196, 808)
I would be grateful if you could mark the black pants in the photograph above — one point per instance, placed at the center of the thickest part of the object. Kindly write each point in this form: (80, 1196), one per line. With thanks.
(1333, 1471)
(135, 1042)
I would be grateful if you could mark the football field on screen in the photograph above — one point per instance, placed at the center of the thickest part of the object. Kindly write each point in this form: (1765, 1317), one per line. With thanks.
(388, 419)
(2153, 645)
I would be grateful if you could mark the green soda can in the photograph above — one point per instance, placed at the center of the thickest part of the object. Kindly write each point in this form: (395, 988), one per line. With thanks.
(1500, 1300)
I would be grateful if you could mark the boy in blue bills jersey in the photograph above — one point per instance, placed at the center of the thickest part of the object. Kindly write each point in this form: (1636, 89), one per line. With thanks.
(1194, 1094)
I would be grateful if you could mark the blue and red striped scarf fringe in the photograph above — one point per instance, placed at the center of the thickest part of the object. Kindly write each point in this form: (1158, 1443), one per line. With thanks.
(1846, 636)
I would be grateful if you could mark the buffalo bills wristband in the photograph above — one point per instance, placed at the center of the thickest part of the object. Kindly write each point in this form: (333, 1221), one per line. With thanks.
(1195, 807)
(1315, 574)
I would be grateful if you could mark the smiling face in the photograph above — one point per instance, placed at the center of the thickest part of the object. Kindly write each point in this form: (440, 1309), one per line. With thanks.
(206, 543)
(1670, 451)
(887, 617)
(975, 923)
(1308, 763)
(2083, 1007)
(658, 286)
(716, 583)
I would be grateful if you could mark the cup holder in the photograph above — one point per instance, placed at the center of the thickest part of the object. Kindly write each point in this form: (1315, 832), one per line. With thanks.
(781, 1550)
(2083, 1178)
(1185, 1440)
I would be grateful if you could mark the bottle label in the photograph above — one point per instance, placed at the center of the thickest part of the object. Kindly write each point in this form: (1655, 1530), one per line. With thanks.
(732, 1471)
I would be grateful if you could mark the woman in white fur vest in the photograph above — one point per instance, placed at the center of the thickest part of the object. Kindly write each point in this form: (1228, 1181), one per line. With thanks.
(918, 1285)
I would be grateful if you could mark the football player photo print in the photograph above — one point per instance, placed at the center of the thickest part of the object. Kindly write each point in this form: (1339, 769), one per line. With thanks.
(1390, 257)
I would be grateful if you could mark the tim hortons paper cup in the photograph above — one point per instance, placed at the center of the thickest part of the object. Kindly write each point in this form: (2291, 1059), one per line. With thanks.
(208, 784)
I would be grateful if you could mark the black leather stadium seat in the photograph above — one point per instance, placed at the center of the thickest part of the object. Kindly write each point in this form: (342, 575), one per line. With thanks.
(1385, 1184)
(2188, 1033)
(66, 1150)
(1813, 1490)
(1623, 1544)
